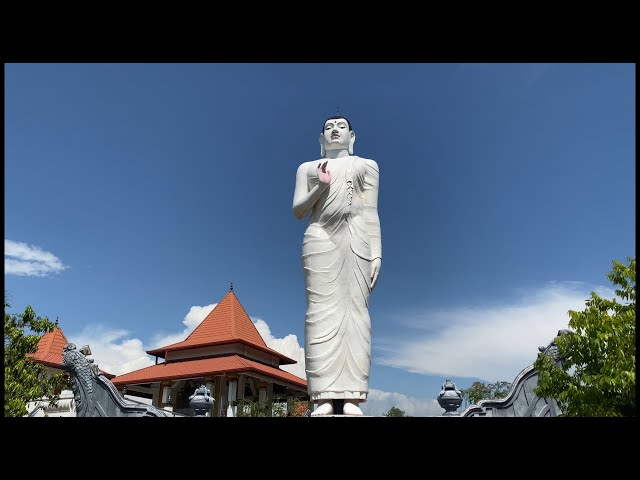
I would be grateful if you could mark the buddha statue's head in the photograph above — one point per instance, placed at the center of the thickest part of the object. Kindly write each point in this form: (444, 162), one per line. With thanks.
(337, 134)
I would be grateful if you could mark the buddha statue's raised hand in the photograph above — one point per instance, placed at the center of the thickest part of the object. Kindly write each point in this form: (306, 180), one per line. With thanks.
(324, 175)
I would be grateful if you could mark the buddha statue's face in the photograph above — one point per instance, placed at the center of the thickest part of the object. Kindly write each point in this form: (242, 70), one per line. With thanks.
(336, 134)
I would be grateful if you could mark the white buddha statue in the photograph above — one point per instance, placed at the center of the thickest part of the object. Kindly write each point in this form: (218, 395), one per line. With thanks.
(341, 259)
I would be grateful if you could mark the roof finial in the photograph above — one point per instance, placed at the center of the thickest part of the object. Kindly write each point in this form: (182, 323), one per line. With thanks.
(231, 287)
(56, 320)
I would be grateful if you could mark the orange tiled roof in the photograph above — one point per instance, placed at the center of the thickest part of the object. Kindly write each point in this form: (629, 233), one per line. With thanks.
(227, 323)
(50, 348)
(204, 367)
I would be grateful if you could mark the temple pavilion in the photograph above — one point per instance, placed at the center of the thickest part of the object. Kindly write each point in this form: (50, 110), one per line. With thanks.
(227, 354)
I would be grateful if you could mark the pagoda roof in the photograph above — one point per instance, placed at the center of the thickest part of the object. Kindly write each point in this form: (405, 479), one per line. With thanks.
(50, 348)
(227, 323)
(205, 367)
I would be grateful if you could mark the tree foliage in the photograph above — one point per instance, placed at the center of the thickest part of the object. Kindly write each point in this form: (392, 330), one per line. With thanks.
(597, 376)
(24, 380)
(394, 412)
(484, 391)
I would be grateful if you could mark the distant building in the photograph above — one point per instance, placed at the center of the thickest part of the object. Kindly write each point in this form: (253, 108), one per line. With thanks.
(226, 354)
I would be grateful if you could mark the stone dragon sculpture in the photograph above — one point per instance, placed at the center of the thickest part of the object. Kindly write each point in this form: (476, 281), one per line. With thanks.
(94, 394)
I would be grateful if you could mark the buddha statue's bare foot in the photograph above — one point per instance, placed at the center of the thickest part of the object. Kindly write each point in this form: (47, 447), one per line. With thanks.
(351, 408)
(325, 407)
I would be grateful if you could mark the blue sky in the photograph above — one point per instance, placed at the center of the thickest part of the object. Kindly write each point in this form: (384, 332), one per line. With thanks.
(506, 191)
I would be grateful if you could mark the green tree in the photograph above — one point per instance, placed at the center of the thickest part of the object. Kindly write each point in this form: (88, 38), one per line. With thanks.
(24, 380)
(597, 375)
(500, 389)
(476, 392)
(394, 412)
(484, 391)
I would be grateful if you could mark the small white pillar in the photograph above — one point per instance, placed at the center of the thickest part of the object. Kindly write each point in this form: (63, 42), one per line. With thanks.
(211, 387)
(233, 389)
(166, 395)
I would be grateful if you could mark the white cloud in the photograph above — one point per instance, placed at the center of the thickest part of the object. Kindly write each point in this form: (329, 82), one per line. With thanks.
(191, 320)
(197, 314)
(29, 260)
(491, 343)
(112, 351)
(379, 402)
(287, 346)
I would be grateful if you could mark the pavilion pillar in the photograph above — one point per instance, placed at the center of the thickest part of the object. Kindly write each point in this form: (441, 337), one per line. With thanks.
(232, 395)
(155, 398)
(241, 381)
(217, 395)
(262, 392)
(167, 400)
(270, 391)
(211, 387)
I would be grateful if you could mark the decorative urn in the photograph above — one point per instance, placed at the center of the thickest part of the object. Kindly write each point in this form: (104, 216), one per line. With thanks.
(450, 398)
(202, 402)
